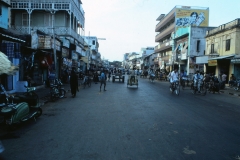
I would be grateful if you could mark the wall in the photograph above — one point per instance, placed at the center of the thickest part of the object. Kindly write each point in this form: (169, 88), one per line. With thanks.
(219, 41)
(197, 33)
(4, 17)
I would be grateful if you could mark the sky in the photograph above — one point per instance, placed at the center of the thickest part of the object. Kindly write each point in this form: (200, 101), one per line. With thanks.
(129, 25)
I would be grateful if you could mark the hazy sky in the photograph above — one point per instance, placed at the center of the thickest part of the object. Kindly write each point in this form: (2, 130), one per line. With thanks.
(129, 25)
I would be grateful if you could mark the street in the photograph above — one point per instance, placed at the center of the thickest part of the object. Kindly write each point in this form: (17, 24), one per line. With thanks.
(144, 123)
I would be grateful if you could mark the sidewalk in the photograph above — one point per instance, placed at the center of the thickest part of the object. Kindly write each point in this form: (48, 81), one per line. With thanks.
(230, 91)
(44, 93)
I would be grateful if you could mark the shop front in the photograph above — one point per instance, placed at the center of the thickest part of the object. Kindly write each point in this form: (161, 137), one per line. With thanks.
(236, 66)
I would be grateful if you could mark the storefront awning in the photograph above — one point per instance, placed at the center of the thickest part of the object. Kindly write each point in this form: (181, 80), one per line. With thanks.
(223, 57)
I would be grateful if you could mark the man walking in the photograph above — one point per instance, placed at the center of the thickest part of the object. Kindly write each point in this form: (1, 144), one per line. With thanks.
(103, 80)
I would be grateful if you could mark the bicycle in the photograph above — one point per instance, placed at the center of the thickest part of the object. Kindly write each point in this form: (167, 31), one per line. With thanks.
(87, 81)
(175, 87)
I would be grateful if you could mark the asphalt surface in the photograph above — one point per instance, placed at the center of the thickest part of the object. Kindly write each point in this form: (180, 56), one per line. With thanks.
(144, 123)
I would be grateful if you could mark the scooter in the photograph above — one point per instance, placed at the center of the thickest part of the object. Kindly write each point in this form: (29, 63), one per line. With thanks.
(21, 108)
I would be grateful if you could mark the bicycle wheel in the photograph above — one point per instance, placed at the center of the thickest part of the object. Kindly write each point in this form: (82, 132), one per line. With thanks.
(177, 90)
(89, 84)
(62, 93)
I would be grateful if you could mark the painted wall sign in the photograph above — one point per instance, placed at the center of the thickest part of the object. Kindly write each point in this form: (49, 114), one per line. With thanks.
(212, 62)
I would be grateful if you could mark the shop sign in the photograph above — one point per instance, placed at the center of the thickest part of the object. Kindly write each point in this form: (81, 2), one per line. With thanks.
(183, 56)
(236, 60)
(66, 42)
(212, 62)
(65, 52)
(74, 55)
(44, 42)
(78, 49)
(57, 44)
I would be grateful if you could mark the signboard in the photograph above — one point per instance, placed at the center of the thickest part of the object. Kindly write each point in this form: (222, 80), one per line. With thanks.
(74, 55)
(186, 17)
(44, 42)
(65, 52)
(57, 44)
(212, 62)
(235, 61)
(78, 49)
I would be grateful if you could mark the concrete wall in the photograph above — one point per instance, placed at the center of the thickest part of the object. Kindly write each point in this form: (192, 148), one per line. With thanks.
(4, 17)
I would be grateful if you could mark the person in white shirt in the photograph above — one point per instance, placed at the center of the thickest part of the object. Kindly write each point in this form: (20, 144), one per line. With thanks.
(174, 76)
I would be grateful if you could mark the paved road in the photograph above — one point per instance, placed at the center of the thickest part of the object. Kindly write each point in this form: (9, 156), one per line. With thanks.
(148, 123)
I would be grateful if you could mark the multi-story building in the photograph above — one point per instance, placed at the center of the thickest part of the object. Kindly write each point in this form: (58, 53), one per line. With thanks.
(223, 49)
(179, 17)
(190, 48)
(51, 23)
(145, 52)
(95, 56)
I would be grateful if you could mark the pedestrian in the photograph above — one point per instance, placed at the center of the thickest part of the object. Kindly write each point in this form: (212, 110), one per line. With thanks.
(73, 82)
(109, 75)
(103, 80)
(224, 78)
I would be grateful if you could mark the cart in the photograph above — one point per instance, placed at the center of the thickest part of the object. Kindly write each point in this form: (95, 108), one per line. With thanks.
(132, 80)
(119, 77)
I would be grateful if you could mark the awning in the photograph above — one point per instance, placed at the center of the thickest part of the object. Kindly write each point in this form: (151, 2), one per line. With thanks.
(6, 67)
(84, 59)
(223, 57)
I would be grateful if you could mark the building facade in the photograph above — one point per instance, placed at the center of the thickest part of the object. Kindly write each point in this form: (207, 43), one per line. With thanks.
(179, 18)
(223, 49)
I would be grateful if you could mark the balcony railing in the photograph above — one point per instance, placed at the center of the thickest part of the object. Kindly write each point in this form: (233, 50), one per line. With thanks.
(165, 32)
(60, 31)
(223, 27)
(69, 5)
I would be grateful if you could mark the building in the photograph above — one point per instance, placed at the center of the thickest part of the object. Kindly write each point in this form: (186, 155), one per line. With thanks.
(190, 48)
(51, 23)
(179, 17)
(223, 49)
(94, 56)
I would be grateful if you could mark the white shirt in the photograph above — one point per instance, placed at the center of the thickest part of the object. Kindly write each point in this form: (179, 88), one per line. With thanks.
(174, 77)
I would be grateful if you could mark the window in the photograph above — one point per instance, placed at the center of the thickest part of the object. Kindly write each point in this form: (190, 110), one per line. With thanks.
(198, 45)
(25, 21)
(212, 48)
(93, 42)
(47, 19)
(228, 44)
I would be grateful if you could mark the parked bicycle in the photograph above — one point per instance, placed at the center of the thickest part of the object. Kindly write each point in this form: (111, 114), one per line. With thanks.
(87, 81)
(56, 90)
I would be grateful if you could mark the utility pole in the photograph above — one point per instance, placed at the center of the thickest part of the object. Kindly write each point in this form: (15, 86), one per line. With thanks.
(54, 44)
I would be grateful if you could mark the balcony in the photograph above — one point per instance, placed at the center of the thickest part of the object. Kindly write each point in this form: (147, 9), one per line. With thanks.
(60, 31)
(163, 46)
(165, 20)
(165, 32)
(68, 5)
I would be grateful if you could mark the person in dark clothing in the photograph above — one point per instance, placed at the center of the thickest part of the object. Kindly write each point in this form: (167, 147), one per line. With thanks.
(73, 83)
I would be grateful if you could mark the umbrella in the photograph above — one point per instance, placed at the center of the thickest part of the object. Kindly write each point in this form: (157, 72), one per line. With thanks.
(6, 67)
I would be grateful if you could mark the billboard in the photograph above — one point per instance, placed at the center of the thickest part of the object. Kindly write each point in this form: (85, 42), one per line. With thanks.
(186, 16)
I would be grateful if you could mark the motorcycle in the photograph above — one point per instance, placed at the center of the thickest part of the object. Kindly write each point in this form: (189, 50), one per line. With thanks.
(21, 108)
(175, 87)
(56, 90)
